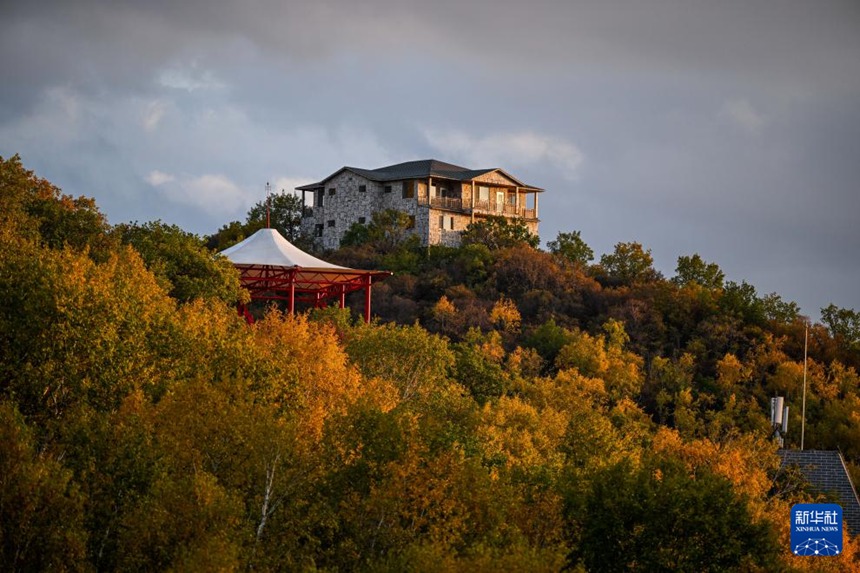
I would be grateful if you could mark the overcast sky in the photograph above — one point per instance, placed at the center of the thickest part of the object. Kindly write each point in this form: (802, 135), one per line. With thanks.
(729, 129)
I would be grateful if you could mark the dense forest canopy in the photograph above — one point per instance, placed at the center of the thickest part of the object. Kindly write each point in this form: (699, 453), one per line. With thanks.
(510, 410)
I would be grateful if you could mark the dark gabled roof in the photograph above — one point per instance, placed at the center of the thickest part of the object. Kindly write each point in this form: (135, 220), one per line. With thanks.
(825, 470)
(417, 170)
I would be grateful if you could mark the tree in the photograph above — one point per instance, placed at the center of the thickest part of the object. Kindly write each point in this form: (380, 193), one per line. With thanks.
(415, 360)
(33, 208)
(778, 310)
(389, 230)
(843, 324)
(741, 300)
(694, 269)
(629, 264)
(497, 232)
(184, 266)
(657, 517)
(285, 211)
(281, 211)
(571, 247)
(41, 508)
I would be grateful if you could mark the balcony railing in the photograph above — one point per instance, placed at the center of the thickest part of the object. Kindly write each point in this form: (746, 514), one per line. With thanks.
(450, 203)
(482, 207)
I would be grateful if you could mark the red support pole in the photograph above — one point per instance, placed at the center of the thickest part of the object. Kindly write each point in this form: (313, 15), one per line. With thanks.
(342, 296)
(292, 293)
(367, 300)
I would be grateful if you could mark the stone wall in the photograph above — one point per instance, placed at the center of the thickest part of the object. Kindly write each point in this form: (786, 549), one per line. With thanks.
(343, 205)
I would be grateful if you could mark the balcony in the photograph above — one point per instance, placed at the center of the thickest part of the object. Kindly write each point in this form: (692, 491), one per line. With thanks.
(449, 203)
(481, 207)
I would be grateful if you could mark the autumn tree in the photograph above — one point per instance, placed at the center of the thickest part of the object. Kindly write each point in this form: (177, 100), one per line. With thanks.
(41, 506)
(34, 208)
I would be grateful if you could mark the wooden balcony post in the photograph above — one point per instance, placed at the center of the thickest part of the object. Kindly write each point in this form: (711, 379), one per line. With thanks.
(472, 210)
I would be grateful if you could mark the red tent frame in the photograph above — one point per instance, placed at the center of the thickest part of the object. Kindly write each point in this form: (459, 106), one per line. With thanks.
(308, 285)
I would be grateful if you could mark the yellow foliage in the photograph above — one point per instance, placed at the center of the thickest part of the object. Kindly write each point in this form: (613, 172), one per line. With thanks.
(604, 358)
(522, 435)
(505, 315)
(308, 374)
(745, 460)
(731, 372)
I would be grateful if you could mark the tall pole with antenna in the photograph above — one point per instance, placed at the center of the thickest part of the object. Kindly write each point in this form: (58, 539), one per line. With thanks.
(803, 413)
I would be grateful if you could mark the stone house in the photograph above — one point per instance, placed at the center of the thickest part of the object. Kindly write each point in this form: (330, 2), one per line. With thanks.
(441, 199)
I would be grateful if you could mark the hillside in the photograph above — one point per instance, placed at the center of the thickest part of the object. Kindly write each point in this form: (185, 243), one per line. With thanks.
(511, 409)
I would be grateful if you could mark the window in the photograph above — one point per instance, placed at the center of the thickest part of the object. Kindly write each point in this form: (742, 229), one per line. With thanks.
(446, 222)
(484, 194)
(387, 189)
(318, 198)
(362, 220)
(409, 189)
(318, 230)
(362, 188)
(331, 190)
(330, 223)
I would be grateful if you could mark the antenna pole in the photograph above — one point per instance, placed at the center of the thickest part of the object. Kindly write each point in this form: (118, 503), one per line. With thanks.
(803, 414)
(268, 206)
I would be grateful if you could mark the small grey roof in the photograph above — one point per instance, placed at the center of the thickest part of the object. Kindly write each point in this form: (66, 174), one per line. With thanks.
(825, 470)
(416, 170)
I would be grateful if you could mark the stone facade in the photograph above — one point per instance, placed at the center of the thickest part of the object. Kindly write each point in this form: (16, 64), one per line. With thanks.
(441, 207)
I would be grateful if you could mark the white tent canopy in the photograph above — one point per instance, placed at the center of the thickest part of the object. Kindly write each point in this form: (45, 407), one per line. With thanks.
(269, 247)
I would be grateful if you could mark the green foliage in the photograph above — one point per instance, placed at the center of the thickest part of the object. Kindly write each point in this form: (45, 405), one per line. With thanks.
(629, 263)
(415, 360)
(843, 324)
(478, 366)
(741, 300)
(387, 231)
(548, 339)
(281, 211)
(41, 508)
(181, 262)
(777, 310)
(572, 248)
(659, 518)
(497, 232)
(693, 269)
